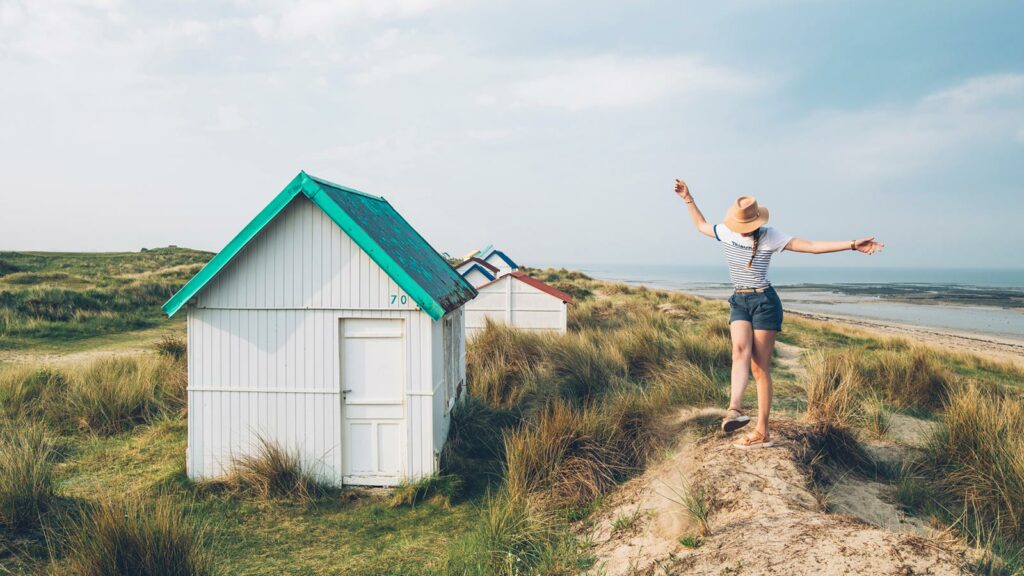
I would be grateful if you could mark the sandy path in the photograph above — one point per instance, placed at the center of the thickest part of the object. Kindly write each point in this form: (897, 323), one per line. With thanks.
(766, 518)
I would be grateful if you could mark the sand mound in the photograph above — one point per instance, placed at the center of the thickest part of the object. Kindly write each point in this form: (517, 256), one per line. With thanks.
(766, 517)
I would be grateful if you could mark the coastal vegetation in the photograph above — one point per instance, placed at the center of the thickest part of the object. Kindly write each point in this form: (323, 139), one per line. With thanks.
(92, 475)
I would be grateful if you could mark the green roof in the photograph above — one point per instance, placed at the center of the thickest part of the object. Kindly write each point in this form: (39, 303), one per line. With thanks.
(375, 226)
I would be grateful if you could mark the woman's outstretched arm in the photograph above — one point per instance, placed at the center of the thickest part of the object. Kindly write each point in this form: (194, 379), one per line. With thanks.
(698, 219)
(865, 245)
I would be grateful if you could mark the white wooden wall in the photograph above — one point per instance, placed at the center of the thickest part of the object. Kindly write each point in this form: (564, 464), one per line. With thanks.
(517, 304)
(476, 278)
(499, 263)
(441, 405)
(264, 348)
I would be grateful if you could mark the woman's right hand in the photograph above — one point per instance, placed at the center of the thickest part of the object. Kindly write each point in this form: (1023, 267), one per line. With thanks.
(683, 191)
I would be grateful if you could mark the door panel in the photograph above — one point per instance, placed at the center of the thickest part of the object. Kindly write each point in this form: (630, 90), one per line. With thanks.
(373, 384)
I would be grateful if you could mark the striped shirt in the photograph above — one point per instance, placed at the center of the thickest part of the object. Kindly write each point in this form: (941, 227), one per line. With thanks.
(737, 254)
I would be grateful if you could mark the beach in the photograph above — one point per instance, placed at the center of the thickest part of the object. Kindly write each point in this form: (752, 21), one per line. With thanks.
(992, 347)
(978, 312)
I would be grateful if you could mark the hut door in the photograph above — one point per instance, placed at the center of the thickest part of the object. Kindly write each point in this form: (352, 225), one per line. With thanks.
(373, 387)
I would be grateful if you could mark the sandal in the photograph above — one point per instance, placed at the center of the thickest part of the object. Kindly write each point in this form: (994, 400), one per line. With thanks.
(734, 420)
(754, 440)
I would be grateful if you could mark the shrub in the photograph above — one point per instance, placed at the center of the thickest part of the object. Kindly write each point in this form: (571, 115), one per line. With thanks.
(173, 346)
(272, 472)
(577, 290)
(26, 476)
(137, 536)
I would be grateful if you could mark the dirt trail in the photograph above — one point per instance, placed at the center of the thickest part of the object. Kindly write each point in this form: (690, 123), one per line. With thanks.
(766, 517)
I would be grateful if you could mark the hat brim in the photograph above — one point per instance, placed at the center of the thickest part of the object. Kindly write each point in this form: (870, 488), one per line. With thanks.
(744, 227)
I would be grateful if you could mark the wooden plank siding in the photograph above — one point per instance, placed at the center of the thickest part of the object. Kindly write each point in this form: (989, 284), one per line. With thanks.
(263, 340)
(509, 301)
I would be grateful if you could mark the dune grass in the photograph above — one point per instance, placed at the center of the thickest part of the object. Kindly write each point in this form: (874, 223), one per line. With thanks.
(136, 535)
(976, 463)
(105, 396)
(47, 298)
(26, 476)
(551, 425)
(272, 471)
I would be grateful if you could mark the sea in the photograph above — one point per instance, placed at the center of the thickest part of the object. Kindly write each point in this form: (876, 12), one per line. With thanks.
(982, 301)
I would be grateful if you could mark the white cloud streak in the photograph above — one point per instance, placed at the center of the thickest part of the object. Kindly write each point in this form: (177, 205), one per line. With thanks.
(603, 82)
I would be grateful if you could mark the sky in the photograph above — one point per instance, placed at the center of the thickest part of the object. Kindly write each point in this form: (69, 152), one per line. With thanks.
(552, 130)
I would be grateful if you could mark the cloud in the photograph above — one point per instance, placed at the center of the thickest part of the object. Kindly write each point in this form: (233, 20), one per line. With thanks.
(229, 119)
(322, 19)
(56, 29)
(602, 82)
(384, 69)
(895, 140)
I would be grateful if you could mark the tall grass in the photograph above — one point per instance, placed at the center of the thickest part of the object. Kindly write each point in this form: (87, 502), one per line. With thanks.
(26, 476)
(114, 394)
(32, 393)
(137, 536)
(272, 471)
(832, 384)
(518, 535)
(105, 396)
(910, 378)
(439, 489)
(976, 461)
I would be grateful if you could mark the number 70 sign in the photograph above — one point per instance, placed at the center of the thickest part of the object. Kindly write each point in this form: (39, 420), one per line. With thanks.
(396, 299)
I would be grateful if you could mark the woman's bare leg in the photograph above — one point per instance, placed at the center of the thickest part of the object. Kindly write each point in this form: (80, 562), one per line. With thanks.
(761, 365)
(742, 347)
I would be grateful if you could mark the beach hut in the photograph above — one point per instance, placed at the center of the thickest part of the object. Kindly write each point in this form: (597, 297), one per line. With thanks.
(329, 326)
(498, 259)
(476, 271)
(520, 301)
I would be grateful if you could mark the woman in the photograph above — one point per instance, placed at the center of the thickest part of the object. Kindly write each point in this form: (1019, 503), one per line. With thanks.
(755, 310)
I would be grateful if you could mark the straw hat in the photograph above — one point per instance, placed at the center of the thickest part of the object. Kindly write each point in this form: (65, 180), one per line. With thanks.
(745, 215)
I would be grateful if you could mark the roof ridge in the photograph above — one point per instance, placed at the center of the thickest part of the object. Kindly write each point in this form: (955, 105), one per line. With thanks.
(343, 188)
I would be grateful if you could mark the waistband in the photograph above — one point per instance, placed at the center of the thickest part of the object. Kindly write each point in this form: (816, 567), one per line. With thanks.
(753, 290)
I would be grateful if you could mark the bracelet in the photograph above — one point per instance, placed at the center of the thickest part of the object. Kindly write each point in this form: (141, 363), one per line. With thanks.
(853, 244)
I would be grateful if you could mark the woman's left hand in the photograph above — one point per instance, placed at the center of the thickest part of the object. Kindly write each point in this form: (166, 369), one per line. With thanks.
(868, 245)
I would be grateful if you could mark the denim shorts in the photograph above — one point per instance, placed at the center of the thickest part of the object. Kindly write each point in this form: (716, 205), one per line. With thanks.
(762, 309)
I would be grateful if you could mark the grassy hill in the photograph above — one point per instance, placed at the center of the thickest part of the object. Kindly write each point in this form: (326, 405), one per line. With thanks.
(92, 477)
(52, 298)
